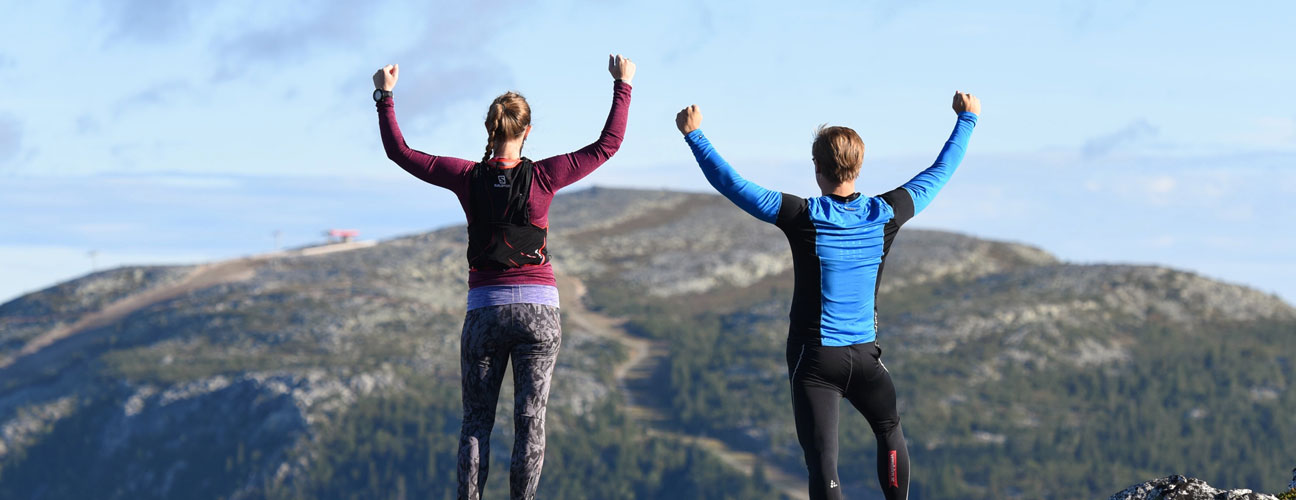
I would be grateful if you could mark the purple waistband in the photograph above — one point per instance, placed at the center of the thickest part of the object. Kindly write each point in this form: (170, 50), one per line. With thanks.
(498, 295)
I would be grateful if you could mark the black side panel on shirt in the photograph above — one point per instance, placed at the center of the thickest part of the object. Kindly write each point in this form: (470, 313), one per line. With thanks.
(807, 306)
(500, 234)
(902, 204)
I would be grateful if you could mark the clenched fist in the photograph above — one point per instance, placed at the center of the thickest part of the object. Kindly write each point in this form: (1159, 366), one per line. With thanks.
(621, 68)
(385, 78)
(964, 101)
(689, 119)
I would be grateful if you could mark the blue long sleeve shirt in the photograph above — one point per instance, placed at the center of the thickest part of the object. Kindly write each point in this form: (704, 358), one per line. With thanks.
(839, 244)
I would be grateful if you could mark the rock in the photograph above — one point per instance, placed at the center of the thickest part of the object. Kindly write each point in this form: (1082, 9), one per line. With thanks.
(1178, 487)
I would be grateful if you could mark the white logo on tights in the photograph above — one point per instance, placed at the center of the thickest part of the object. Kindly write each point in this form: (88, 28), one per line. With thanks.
(832, 483)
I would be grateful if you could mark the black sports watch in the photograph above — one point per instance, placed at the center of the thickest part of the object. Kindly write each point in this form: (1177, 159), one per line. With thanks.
(379, 94)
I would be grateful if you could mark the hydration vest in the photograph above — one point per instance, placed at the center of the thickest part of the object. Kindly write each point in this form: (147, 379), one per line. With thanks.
(501, 235)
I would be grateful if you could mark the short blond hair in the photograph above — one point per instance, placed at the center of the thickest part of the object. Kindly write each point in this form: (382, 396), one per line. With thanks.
(838, 152)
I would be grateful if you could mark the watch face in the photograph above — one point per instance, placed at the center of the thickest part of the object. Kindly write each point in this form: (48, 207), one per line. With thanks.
(378, 94)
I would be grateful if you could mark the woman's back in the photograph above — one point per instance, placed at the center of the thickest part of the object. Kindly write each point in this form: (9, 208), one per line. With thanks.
(550, 175)
(513, 296)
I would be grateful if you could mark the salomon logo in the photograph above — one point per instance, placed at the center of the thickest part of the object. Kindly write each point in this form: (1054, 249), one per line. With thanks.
(503, 182)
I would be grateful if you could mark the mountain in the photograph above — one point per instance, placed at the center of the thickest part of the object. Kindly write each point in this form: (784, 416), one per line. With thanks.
(332, 372)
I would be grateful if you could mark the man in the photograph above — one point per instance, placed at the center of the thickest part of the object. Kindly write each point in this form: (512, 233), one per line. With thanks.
(839, 243)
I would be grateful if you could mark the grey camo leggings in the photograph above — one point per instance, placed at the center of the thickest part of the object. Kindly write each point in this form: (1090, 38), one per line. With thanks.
(530, 334)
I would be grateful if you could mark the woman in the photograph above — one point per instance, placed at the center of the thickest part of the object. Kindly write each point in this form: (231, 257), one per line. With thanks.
(512, 294)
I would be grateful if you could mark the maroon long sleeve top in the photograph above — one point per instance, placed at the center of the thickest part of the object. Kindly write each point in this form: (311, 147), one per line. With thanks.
(551, 174)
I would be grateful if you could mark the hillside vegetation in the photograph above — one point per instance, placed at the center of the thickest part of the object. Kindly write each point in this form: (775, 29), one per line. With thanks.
(336, 375)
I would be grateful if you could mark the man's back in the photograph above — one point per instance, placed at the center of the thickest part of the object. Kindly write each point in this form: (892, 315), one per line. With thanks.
(839, 246)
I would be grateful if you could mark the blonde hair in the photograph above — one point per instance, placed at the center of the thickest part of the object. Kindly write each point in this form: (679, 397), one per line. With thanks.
(838, 152)
(508, 117)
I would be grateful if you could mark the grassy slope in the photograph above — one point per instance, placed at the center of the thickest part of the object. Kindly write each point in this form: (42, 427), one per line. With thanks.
(1006, 410)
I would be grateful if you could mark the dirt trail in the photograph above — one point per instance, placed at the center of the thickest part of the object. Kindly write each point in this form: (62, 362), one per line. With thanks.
(636, 377)
(203, 276)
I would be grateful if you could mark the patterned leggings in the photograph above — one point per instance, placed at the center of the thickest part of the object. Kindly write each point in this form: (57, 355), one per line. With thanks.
(530, 333)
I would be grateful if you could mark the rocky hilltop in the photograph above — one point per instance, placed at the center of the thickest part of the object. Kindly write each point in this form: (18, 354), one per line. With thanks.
(268, 376)
(1184, 488)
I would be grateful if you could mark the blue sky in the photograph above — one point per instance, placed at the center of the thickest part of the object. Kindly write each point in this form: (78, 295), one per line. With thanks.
(159, 132)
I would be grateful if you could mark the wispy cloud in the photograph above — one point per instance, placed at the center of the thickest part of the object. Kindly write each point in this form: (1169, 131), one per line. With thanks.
(695, 37)
(1148, 207)
(160, 93)
(11, 135)
(337, 23)
(888, 10)
(431, 90)
(445, 50)
(1085, 16)
(1131, 134)
(448, 64)
(87, 124)
(150, 21)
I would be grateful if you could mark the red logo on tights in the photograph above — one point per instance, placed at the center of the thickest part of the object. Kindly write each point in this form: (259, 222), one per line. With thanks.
(895, 480)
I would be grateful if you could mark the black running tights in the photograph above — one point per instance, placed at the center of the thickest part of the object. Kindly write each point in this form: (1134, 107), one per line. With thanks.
(821, 376)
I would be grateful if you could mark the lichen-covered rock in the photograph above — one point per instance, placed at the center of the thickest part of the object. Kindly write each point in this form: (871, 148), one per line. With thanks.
(1178, 487)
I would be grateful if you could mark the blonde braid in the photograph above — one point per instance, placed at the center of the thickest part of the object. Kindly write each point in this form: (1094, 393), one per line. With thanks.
(507, 119)
(493, 120)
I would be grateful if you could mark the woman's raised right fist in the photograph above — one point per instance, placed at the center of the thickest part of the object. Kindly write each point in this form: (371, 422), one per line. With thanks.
(621, 68)
(385, 78)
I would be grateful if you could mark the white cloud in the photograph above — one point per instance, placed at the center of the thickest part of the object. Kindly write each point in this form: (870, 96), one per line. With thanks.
(1161, 184)
(1159, 241)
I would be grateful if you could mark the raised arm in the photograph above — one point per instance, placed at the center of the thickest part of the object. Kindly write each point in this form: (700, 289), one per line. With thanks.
(924, 186)
(753, 199)
(563, 170)
(444, 171)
